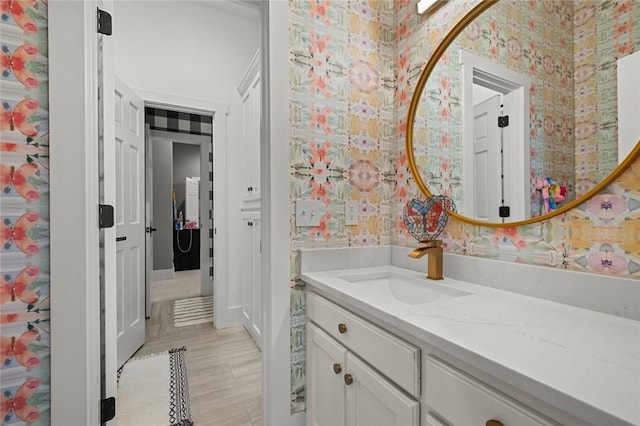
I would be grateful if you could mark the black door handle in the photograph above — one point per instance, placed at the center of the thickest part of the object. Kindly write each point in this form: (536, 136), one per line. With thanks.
(121, 239)
(150, 230)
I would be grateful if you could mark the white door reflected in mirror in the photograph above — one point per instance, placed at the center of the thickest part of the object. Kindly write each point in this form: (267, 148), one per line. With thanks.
(495, 159)
(628, 104)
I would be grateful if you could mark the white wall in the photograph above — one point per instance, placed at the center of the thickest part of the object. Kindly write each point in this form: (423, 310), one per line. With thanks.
(197, 50)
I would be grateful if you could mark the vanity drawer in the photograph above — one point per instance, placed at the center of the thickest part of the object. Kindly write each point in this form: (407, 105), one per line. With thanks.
(393, 357)
(461, 400)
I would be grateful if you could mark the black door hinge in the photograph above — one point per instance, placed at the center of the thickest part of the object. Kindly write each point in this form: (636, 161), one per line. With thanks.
(503, 121)
(104, 23)
(107, 409)
(504, 211)
(105, 215)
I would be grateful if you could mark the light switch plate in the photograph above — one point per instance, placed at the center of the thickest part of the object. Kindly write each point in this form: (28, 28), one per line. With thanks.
(351, 213)
(309, 212)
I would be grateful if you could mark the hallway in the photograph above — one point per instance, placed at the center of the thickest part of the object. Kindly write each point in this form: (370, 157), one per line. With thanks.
(224, 366)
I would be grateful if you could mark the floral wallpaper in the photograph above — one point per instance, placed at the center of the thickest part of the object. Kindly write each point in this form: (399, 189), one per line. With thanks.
(341, 118)
(534, 39)
(24, 211)
(604, 33)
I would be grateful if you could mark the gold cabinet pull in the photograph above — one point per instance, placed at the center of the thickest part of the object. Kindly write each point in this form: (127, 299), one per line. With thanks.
(493, 423)
(348, 379)
(342, 328)
(337, 368)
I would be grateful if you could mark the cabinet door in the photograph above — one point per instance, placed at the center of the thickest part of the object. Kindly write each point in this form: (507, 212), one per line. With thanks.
(247, 135)
(247, 274)
(251, 122)
(252, 278)
(433, 421)
(255, 138)
(325, 379)
(256, 282)
(373, 401)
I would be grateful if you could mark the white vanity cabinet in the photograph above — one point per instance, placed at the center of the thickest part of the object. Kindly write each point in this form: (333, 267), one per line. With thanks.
(361, 374)
(345, 384)
(249, 90)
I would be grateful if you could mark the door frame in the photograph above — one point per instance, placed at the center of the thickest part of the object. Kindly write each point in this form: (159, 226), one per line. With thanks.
(475, 69)
(219, 112)
(204, 143)
(75, 298)
(74, 234)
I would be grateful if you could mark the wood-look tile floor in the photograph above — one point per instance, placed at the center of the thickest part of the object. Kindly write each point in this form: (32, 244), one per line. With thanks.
(224, 367)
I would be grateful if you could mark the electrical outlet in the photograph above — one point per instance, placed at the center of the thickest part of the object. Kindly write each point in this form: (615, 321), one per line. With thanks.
(351, 213)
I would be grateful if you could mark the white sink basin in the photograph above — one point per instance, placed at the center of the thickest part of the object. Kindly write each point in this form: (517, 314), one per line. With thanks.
(411, 291)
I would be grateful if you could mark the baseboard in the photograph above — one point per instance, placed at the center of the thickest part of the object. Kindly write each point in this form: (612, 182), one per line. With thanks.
(163, 274)
(231, 318)
(234, 315)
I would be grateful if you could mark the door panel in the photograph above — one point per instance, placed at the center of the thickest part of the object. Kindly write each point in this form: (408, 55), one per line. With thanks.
(373, 401)
(130, 226)
(486, 160)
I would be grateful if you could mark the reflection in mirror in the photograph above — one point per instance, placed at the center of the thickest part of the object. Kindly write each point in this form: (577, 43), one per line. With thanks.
(550, 67)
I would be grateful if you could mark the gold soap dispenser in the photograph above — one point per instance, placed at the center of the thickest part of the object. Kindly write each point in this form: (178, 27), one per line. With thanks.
(425, 220)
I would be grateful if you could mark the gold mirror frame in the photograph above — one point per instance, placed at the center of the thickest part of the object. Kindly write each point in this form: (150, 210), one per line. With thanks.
(435, 57)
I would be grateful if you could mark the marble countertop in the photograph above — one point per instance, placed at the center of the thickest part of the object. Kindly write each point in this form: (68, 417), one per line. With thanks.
(584, 362)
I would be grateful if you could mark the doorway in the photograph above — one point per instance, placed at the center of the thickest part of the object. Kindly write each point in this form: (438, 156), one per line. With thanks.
(495, 154)
(179, 244)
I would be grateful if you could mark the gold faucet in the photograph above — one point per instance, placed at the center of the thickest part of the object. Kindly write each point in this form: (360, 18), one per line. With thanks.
(433, 249)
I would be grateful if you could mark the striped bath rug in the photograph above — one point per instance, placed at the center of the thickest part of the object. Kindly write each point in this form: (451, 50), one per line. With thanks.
(195, 310)
(153, 390)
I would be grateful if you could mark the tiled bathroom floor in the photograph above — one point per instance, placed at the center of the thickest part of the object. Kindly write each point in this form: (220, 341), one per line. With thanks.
(224, 366)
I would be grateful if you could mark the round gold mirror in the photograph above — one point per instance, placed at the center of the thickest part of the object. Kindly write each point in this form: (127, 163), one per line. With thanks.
(517, 115)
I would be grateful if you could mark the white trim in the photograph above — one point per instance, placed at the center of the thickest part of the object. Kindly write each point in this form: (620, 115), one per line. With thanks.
(163, 274)
(276, 371)
(503, 80)
(250, 73)
(108, 255)
(75, 295)
(224, 317)
(180, 103)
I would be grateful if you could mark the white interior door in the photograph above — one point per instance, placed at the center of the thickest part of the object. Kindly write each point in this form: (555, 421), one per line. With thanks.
(148, 276)
(487, 188)
(130, 220)
(628, 104)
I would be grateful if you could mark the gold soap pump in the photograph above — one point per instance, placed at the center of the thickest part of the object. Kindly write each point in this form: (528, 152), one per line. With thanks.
(425, 220)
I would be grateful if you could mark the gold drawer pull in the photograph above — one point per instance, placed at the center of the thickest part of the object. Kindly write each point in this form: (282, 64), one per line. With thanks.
(337, 368)
(493, 423)
(348, 379)
(342, 328)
